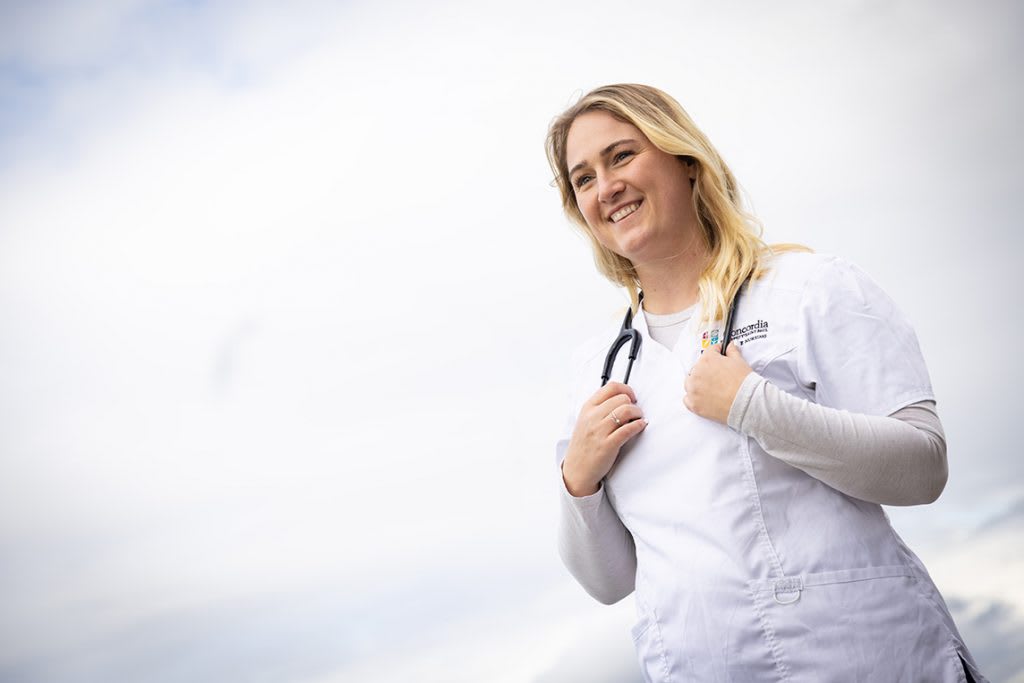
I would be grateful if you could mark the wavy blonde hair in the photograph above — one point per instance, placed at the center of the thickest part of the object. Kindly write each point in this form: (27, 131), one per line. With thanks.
(731, 234)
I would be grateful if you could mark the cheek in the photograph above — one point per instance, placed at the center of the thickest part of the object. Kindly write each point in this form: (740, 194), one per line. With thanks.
(590, 212)
(594, 226)
(681, 197)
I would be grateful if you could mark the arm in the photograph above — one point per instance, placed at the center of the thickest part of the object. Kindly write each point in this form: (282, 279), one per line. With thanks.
(840, 435)
(595, 546)
(895, 460)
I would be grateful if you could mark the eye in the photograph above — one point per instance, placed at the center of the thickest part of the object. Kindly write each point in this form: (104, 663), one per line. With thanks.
(581, 180)
(622, 155)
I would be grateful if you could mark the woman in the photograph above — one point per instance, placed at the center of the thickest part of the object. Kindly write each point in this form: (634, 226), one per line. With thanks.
(740, 493)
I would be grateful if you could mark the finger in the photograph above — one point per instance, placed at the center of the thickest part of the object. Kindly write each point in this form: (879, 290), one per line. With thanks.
(711, 355)
(626, 432)
(625, 413)
(599, 418)
(619, 416)
(614, 402)
(624, 390)
(733, 351)
(612, 389)
(694, 390)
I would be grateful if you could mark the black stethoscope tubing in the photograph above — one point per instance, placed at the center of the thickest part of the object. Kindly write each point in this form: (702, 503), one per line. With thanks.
(628, 334)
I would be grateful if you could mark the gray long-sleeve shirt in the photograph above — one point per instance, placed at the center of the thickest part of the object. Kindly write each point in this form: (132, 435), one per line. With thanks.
(894, 460)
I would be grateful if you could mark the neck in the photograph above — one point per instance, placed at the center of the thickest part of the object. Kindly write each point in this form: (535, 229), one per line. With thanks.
(670, 284)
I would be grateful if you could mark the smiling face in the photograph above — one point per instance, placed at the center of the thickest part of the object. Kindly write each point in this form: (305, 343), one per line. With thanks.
(635, 198)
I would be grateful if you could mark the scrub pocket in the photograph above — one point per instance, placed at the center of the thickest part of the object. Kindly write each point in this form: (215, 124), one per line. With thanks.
(865, 624)
(650, 650)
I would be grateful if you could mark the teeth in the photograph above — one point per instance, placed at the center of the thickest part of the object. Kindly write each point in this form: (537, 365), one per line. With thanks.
(624, 211)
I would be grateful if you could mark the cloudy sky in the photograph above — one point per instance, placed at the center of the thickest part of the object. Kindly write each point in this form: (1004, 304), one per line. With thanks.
(286, 296)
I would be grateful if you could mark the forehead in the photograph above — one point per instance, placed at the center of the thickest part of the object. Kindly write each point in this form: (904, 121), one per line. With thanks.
(591, 132)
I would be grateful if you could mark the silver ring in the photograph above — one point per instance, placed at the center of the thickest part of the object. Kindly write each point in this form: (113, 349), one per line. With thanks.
(618, 422)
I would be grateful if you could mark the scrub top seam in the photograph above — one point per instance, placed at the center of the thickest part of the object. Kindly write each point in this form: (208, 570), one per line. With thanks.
(811, 277)
(910, 398)
(769, 634)
(755, 498)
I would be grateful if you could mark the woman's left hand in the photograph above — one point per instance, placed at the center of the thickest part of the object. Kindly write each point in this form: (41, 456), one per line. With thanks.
(714, 381)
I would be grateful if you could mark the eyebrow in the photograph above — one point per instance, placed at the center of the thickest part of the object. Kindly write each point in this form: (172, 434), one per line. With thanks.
(604, 152)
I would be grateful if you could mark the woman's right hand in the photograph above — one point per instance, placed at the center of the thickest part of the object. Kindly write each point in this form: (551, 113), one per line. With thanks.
(606, 421)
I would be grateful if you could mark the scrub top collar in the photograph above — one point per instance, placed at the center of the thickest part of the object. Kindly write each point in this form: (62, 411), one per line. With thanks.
(687, 349)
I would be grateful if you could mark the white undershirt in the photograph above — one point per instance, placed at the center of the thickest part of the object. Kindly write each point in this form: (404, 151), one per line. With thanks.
(665, 329)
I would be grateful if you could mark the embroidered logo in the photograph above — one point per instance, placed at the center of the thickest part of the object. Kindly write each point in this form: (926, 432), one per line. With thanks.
(749, 333)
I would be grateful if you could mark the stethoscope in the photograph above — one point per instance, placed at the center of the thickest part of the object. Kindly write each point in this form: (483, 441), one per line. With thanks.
(632, 336)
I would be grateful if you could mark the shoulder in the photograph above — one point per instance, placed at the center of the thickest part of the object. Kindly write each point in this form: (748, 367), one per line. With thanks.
(794, 270)
(811, 274)
(805, 296)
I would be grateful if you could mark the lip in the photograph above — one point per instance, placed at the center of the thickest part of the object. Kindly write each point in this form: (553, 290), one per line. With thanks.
(638, 202)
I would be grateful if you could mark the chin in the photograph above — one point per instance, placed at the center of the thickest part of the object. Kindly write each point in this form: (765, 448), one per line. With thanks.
(632, 249)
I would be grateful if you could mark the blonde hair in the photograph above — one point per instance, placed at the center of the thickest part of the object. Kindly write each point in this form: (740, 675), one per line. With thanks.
(731, 234)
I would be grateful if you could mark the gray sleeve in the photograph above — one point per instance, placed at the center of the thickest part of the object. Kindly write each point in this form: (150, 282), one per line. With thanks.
(595, 546)
(894, 460)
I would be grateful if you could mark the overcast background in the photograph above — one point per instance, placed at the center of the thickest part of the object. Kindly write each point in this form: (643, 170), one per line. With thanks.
(286, 296)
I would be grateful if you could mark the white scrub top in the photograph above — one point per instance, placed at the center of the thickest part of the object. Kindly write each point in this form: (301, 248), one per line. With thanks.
(749, 569)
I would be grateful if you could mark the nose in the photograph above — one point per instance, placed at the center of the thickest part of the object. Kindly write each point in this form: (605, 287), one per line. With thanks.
(609, 187)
